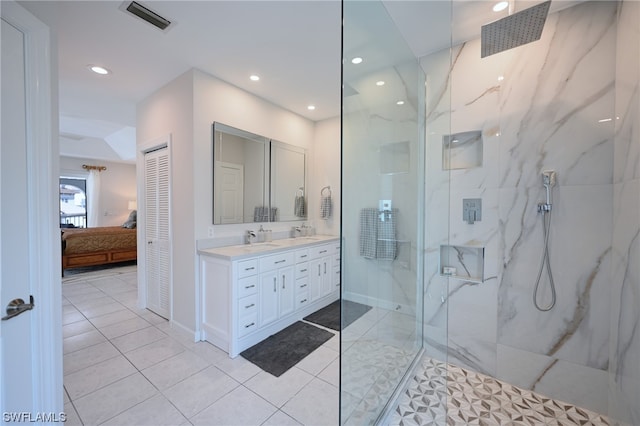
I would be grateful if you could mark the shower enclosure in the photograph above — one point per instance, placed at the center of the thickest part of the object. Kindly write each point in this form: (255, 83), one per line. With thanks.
(382, 210)
(458, 168)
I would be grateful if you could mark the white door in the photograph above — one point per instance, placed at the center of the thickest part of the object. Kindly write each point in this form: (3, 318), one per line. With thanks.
(157, 256)
(31, 341)
(230, 198)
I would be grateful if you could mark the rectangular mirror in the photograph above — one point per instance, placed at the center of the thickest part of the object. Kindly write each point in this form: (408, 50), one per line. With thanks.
(256, 179)
(287, 189)
(240, 163)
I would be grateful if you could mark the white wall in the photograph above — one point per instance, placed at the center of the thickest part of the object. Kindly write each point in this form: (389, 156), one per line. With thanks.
(186, 108)
(117, 187)
(170, 111)
(325, 166)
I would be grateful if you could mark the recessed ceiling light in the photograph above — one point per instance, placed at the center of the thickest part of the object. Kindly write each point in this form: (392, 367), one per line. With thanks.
(311, 107)
(356, 60)
(99, 70)
(380, 83)
(500, 77)
(400, 103)
(254, 77)
(500, 6)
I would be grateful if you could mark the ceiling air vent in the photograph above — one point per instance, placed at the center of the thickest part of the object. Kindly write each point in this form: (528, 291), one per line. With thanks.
(148, 15)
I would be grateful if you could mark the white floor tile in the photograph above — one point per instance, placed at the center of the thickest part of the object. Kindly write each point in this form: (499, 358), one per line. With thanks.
(154, 352)
(83, 358)
(154, 411)
(113, 317)
(241, 407)
(280, 419)
(86, 304)
(238, 368)
(76, 328)
(175, 369)
(199, 391)
(72, 317)
(279, 390)
(71, 415)
(114, 399)
(81, 341)
(331, 374)
(317, 360)
(124, 327)
(315, 405)
(137, 339)
(97, 376)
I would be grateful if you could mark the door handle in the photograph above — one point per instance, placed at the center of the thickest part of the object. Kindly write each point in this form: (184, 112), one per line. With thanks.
(17, 306)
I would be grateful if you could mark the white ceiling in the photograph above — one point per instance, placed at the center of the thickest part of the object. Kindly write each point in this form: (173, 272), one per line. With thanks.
(295, 46)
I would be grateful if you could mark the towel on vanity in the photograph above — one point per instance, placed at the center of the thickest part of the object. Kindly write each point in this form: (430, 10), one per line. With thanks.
(326, 207)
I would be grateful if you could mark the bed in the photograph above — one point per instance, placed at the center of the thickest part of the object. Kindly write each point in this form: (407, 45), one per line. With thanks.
(97, 246)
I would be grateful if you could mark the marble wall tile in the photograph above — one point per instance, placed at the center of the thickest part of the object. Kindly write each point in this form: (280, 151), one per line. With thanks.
(627, 146)
(567, 381)
(543, 106)
(576, 329)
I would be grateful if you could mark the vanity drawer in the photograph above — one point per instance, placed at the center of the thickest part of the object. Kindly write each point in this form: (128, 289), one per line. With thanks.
(302, 285)
(302, 269)
(320, 251)
(247, 286)
(247, 305)
(269, 263)
(302, 299)
(247, 324)
(302, 255)
(247, 267)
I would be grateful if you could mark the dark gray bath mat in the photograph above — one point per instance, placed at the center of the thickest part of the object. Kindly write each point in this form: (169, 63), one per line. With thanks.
(281, 351)
(329, 316)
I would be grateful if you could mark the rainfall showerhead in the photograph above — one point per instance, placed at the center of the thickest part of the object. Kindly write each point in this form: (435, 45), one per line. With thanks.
(515, 30)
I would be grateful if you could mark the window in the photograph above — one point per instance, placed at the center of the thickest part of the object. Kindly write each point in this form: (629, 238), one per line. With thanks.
(73, 203)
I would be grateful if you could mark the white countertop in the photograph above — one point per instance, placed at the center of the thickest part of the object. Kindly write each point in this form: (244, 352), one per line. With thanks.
(257, 249)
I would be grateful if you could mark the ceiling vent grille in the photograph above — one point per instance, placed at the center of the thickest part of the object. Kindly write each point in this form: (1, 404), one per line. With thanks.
(148, 15)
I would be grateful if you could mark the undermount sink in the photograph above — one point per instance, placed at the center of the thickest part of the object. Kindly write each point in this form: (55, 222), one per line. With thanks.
(308, 238)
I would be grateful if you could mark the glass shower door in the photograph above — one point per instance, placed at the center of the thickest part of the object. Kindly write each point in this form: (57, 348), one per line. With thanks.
(382, 211)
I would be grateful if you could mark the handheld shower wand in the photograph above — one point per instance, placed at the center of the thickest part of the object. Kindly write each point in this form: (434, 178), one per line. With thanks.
(548, 181)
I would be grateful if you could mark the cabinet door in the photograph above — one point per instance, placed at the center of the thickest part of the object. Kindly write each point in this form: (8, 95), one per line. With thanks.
(325, 287)
(287, 286)
(315, 278)
(268, 308)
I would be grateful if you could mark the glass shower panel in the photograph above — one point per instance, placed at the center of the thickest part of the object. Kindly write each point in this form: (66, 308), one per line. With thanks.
(382, 211)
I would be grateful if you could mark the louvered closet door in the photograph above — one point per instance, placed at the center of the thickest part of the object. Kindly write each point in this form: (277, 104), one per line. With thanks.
(157, 231)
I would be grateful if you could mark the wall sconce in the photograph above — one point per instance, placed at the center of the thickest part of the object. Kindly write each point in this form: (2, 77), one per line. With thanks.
(133, 205)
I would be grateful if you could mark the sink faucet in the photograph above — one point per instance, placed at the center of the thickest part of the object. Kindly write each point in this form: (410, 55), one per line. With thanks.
(249, 237)
(296, 231)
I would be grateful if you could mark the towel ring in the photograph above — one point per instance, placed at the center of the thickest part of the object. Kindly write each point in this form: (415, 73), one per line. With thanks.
(326, 187)
(300, 192)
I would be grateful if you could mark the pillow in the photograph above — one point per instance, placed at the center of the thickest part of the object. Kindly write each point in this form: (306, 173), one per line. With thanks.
(131, 220)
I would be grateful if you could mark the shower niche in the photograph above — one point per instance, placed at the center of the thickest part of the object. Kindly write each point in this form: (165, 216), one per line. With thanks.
(462, 150)
(462, 262)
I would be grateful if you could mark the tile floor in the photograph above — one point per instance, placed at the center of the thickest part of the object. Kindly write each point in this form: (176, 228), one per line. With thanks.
(125, 366)
(443, 394)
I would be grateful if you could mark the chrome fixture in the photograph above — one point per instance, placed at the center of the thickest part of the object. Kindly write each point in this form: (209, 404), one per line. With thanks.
(249, 237)
(548, 181)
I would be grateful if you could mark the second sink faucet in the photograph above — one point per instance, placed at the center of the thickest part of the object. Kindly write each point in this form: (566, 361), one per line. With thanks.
(249, 237)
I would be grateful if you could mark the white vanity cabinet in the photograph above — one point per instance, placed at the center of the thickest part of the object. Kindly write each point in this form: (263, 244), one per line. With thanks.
(248, 294)
(277, 287)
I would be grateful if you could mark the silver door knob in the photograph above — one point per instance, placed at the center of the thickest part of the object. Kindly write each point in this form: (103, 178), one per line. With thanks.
(18, 306)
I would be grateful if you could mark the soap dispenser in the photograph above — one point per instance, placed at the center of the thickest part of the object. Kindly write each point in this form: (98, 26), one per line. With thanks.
(261, 234)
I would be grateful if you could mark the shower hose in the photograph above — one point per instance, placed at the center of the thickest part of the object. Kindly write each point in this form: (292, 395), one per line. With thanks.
(546, 224)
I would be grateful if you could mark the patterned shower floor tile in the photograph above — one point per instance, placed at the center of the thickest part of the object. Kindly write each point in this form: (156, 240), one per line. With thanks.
(442, 394)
